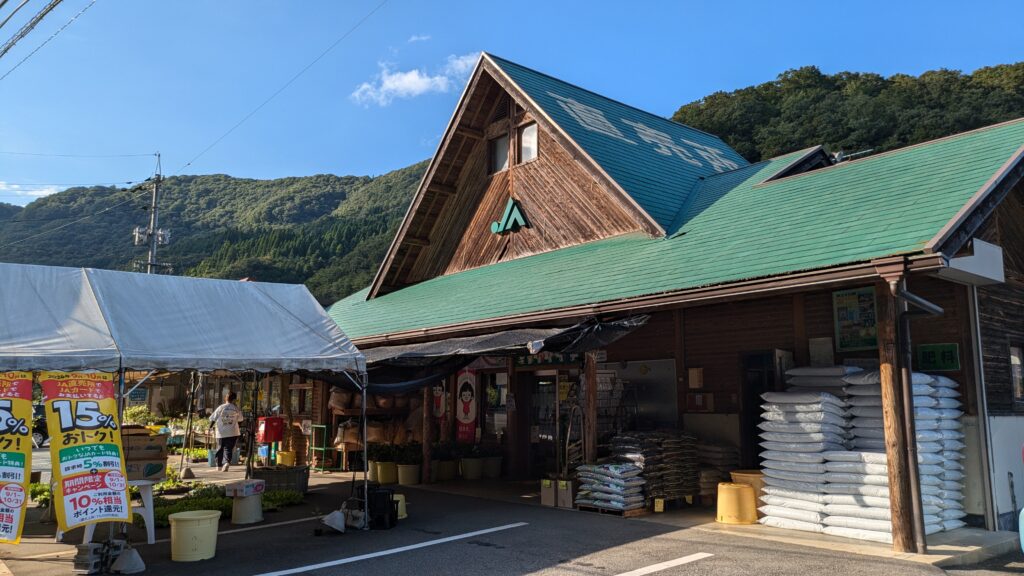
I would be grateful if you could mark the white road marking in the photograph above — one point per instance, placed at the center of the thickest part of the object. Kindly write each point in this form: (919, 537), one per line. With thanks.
(391, 551)
(666, 565)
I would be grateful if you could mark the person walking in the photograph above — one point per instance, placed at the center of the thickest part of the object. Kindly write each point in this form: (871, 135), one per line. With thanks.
(226, 418)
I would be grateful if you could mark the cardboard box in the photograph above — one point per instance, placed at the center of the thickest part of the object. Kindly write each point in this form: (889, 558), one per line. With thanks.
(145, 446)
(146, 469)
(566, 493)
(244, 488)
(547, 492)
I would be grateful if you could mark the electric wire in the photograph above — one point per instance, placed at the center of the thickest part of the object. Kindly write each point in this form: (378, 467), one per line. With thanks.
(15, 11)
(285, 85)
(47, 41)
(76, 221)
(28, 27)
(48, 155)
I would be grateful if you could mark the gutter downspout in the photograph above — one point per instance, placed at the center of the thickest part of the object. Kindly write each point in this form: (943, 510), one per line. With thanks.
(903, 342)
(991, 514)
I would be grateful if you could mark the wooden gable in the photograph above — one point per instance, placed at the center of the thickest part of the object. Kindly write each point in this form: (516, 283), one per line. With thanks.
(565, 198)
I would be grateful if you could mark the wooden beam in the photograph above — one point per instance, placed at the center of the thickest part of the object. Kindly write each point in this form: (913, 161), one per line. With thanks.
(469, 132)
(893, 421)
(417, 241)
(590, 407)
(441, 189)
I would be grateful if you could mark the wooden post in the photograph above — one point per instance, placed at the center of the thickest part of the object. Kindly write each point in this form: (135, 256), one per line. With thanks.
(428, 449)
(590, 407)
(286, 410)
(894, 421)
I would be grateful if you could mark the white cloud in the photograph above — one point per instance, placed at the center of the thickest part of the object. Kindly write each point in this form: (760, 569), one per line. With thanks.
(11, 193)
(390, 84)
(418, 38)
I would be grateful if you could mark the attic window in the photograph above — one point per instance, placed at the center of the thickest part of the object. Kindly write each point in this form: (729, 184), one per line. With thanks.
(527, 143)
(498, 153)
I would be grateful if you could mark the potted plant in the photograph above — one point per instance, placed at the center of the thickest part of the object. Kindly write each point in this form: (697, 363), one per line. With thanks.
(491, 454)
(445, 464)
(387, 470)
(471, 463)
(409, 458)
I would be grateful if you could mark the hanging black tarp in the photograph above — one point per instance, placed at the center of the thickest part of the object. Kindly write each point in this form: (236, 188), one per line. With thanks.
(399, 369)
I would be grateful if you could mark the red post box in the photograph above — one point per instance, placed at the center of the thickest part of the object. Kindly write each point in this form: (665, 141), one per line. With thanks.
(270, 429)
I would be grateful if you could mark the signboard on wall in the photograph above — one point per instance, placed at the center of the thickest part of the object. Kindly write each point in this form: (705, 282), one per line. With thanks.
(90, 484)
(15, 452)
(465, 407)
(547, 359)
(938, 357)
(854, 315)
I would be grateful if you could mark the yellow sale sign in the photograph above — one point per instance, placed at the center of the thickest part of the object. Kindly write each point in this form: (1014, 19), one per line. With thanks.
(15, 452)
(85, 449)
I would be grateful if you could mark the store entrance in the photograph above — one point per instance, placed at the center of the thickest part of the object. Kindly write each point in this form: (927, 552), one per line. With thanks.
(555, 422)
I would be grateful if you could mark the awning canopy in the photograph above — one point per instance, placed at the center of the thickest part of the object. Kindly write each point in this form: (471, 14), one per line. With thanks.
(55, 318)
(398, 369)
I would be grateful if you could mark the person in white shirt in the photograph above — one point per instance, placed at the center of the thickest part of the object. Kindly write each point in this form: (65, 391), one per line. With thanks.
(226, 418)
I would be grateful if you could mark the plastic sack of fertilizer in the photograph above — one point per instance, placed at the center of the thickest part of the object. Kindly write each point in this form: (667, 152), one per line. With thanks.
(802, 467)
(874, 377)
(792, 514)
(801, 398)
(776, 522)
(802, 427)
(793, 503)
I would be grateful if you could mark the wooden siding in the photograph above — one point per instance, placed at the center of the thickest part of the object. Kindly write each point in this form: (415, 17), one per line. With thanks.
(447, 229)
(654, 341)
(563, 206)
(1001, 306)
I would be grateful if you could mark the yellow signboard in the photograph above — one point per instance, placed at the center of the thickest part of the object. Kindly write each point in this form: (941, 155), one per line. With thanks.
(85, 449)
(15, 452)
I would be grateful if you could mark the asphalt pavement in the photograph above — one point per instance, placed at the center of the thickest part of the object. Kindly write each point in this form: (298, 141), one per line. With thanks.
(453, 534)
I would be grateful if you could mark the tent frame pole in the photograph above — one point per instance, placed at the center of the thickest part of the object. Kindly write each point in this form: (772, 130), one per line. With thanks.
(365, 380)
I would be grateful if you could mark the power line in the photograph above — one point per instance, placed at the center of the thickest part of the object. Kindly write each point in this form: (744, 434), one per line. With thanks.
(17, 220)
(286, 85)
(47, 41)
(28, 27)
(48, 155)
(73, 184)
(73, 222)
(13, 12)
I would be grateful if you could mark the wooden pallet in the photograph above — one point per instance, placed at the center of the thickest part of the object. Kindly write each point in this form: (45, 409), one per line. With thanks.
(622, 513)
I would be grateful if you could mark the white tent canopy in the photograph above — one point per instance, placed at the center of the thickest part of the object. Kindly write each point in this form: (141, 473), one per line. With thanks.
(80, 318)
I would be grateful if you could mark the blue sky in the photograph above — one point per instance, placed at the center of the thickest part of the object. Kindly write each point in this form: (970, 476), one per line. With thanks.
(136, 76)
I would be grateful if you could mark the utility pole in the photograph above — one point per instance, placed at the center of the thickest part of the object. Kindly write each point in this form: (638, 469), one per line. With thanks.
(154, 218)
(152, 235)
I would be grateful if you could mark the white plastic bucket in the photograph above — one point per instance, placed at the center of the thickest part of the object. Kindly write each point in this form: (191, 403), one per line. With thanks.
(194, 535)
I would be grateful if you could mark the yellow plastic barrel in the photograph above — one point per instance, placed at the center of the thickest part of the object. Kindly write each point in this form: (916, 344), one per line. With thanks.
(387, 472)
(736, 504)
(756, 480)
(286, 458)
(194, 535)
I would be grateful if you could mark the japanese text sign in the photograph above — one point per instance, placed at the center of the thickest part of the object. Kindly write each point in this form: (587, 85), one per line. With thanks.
(15, 452)
(85, 449)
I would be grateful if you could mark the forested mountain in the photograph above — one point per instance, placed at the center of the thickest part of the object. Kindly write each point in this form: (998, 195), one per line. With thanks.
(331, 232)
(327, 231)
(852, 111)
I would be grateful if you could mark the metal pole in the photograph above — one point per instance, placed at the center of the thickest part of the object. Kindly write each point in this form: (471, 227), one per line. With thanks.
(907, 387)
(365, 379)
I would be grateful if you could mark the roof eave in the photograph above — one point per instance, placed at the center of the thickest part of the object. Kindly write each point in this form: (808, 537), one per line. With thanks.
(793, 282)
(962, 227)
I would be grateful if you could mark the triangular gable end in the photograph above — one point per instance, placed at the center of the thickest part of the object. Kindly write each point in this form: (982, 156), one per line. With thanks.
(463, 216)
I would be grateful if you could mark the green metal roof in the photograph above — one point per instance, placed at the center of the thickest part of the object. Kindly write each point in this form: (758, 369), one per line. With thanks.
(734, 228)
(655, 160)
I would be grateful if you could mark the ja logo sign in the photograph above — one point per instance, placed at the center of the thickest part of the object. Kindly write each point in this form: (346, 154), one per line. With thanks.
(512, 219)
